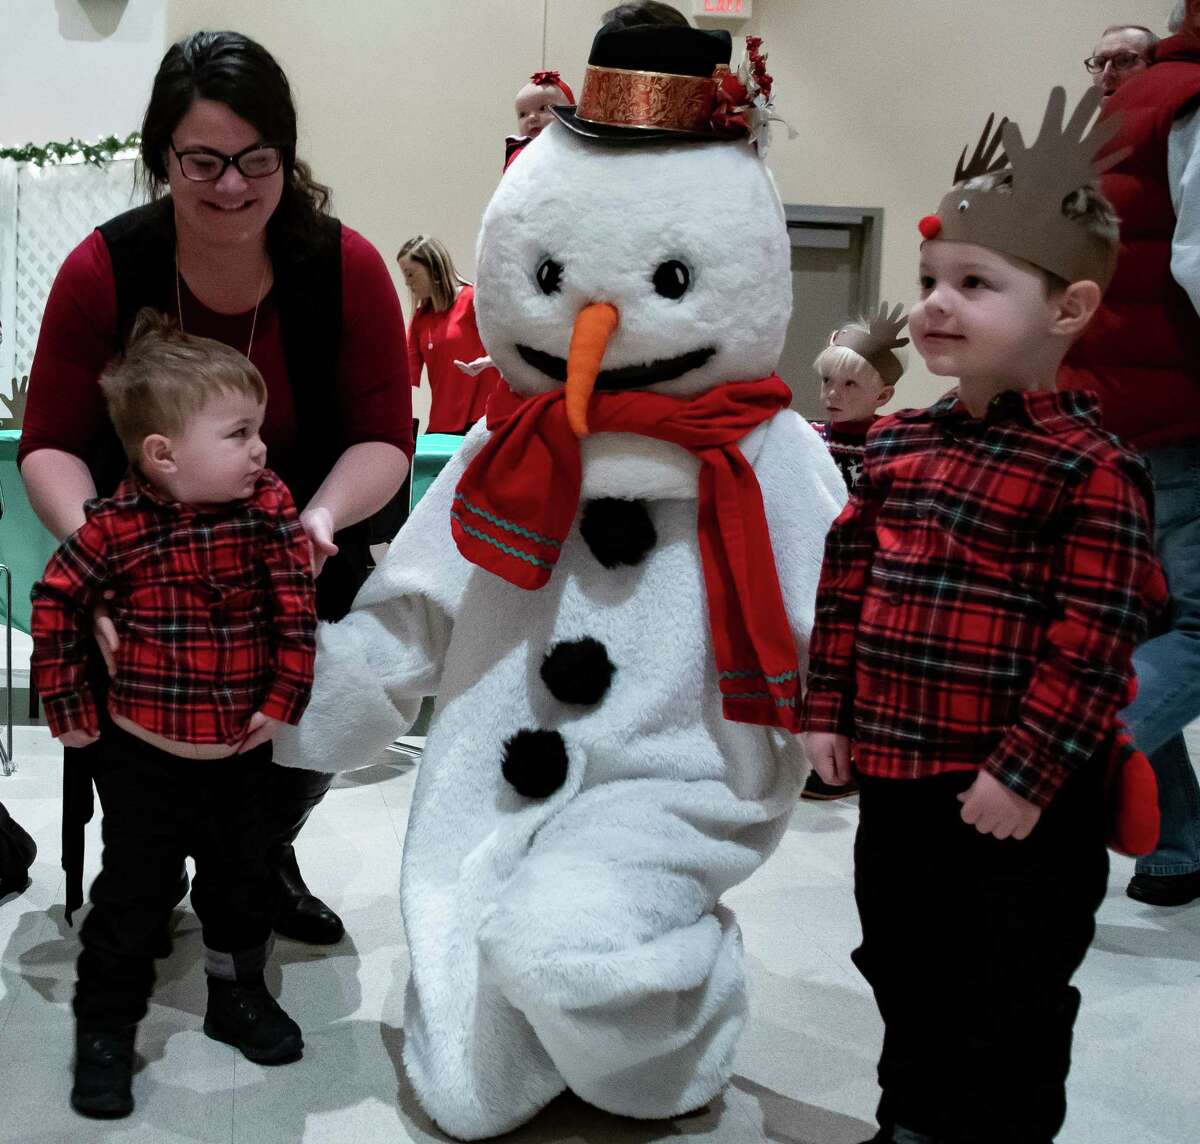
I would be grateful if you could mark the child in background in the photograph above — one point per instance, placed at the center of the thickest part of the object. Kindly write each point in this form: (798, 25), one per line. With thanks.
(207, 573)
(859, 370)
(441, 334)
(545, 89)
(981, 596)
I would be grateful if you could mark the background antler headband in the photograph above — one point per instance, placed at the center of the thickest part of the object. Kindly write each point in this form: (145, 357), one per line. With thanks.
(877, 340)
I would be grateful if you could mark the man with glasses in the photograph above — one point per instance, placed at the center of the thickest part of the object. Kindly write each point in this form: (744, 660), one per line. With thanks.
(1142, 355)
(1123, 51)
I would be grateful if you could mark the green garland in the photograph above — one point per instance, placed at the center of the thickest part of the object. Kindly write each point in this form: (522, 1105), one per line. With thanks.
(48, 154)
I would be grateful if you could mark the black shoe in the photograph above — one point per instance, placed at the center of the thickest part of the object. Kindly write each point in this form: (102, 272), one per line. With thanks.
(17, 852)
(247, 1017)
(301, 914)
(1164, 889)
(103, 1073)
(817, 788)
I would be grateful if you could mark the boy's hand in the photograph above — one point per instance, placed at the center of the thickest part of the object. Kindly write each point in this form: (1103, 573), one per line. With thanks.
(830, 755)
(259, 730)
(318, 523)
(77, 738)
(992, 808)
(105, 633)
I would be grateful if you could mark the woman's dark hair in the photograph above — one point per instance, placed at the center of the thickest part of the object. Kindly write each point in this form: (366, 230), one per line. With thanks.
(232, 69)
(646, 12)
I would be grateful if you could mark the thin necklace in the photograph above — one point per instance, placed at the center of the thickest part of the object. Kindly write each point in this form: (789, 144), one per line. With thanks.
(258, 301)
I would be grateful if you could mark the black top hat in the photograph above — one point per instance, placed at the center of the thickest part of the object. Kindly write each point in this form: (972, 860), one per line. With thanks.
(650, 83)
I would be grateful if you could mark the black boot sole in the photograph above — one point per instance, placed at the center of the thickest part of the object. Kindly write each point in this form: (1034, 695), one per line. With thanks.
(276, 1056)
(305, 918)
(101, 1108)
(1164, 890)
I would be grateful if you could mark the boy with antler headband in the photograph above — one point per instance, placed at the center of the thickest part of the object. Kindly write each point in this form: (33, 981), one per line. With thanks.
(980, 599)
(859, 370)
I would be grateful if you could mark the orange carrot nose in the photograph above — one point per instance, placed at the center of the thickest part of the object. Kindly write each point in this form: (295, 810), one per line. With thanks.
(593, 327)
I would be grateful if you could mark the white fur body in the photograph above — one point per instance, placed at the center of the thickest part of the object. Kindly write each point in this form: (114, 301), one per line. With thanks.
(578, 940)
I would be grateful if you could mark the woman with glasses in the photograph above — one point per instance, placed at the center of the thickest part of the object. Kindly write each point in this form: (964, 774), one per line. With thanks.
(237, 245)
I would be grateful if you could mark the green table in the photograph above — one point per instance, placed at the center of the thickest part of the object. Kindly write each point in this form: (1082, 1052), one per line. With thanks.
(433, 451)
(25, 546)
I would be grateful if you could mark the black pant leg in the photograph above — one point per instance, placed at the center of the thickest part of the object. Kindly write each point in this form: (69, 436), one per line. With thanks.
(970, 943)
(235, 892)
(132, 897)
(908, 893)
(290, 796)
(1038, 902)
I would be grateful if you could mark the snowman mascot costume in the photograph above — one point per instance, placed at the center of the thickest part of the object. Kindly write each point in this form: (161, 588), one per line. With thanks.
(610, 589)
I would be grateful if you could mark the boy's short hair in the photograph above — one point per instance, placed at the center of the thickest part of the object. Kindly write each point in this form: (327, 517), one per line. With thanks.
(1086, 205)
(845, 362)
(165, 377)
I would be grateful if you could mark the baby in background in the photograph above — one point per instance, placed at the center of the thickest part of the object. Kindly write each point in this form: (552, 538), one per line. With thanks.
(544, 90)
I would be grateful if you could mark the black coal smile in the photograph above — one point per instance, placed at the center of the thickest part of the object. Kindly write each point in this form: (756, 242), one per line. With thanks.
(626, 377)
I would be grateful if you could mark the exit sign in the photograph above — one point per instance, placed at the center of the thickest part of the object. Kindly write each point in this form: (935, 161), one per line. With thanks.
(722, 9)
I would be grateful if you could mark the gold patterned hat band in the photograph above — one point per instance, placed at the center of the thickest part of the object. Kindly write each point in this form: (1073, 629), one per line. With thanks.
(657, 101)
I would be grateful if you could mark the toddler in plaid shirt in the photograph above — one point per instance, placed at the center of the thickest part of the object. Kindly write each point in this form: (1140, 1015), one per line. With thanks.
(980, 599)
(202, 561)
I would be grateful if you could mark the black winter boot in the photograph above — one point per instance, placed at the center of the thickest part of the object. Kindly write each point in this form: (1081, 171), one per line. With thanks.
(245, 1015)
(301, 914)
(103, 1073)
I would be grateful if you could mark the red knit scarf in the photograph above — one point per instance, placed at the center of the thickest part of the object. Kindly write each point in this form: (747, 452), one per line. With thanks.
(519, 496)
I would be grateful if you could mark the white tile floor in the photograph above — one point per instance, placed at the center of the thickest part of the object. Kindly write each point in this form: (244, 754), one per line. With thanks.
(805, 1067)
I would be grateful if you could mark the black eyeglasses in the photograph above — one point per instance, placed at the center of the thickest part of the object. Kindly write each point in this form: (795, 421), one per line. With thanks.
(1121, 61)
(204, 165)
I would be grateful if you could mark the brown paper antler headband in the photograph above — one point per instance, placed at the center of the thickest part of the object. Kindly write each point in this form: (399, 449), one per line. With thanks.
(877, 341)
(1024, 218)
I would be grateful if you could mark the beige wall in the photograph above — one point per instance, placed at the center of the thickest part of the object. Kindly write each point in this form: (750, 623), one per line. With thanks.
(76, 67)
(404, 104)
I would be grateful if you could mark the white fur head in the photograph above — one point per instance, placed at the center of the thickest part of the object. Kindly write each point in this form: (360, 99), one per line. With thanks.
(613, 218)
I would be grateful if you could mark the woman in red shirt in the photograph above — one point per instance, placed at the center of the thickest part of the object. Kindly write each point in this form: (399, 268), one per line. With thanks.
(237, 245)
(442, 332)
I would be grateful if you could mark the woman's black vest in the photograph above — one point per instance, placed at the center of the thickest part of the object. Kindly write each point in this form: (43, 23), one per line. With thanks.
(308, 295)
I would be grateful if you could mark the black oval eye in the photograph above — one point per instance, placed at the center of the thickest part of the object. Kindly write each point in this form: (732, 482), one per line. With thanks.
(672, 279)
(549, 276)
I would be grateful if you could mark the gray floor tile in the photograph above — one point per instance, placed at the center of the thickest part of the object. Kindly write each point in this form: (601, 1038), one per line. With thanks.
(805, 1068)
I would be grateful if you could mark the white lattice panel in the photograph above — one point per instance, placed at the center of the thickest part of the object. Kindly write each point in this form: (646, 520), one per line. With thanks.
(55, 209)
(8, 266)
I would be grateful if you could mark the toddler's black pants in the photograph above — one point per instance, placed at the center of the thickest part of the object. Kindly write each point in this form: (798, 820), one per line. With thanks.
(158, 809)
(969, 944)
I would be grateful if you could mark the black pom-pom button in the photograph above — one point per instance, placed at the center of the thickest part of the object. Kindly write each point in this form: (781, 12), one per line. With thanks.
(535, 763)
(578, 671)
(617, 531)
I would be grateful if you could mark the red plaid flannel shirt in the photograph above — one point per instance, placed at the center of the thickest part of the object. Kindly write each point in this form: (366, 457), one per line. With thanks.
(215, 609)
(983, 591)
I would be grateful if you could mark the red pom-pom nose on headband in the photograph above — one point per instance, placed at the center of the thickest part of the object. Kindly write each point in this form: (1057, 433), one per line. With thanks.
(930, 226)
